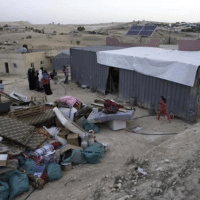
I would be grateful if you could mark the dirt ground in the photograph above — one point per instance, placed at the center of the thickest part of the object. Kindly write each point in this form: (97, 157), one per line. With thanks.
(127, 151)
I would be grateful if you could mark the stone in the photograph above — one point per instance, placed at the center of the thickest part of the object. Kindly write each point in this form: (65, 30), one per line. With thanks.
(119, 185)
(159, 169)
(113, 189)
(124, 198)
(119, 181)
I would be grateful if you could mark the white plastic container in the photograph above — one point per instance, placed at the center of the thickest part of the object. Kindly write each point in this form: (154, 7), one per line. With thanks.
(116, 125)
(90, 141)
(84, 144)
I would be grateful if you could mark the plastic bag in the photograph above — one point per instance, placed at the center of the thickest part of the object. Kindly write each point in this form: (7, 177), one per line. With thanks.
(6, 176)
(54, 171)
(94, 153)
(19, 183)
(77, 157)
(30, 166)
(87, 126)
(4, 190)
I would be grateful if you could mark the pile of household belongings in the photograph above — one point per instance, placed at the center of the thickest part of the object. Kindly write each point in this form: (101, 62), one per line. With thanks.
(37, 143)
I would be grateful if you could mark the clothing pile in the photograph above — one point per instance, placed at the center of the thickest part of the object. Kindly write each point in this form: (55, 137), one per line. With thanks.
(111, 107)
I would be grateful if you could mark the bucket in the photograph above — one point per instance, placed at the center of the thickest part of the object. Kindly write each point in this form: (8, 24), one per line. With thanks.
(66, 166)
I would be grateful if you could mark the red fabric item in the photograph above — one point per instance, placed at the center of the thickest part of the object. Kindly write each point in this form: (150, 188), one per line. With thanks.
(109, 103)
(45, 81)
(111, 107)
(38, 159)
(11, 157)
(56, 145)
(45, 177)
(26, 156)
(163, 105)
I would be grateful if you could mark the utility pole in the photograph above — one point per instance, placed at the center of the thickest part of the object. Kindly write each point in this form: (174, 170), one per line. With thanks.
(170, 34)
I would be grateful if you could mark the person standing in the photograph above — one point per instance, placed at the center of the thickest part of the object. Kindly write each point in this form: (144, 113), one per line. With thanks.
(31, 79)
(2, 86)
(54, 76)
(36, 81)
(65, 71)
(40, 76)
(46, 83)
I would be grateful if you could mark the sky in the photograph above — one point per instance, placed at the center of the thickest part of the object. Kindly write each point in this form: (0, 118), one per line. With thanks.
(99, 11)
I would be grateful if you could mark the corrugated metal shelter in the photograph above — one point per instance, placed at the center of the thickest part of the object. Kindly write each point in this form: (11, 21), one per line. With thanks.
(86, 70)
(60, 60)
(182, 100)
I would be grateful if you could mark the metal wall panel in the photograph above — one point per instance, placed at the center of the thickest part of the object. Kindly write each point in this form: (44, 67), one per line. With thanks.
(59, 62)
(87, 71)
(181, 99)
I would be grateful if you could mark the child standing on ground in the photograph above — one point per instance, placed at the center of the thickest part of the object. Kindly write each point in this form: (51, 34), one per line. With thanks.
(2, 86)
(163, 109)
(65, 71)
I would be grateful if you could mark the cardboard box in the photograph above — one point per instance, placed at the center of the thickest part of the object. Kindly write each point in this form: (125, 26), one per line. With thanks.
(69, 146)
(3, 159)
(116, 125)
(63, 133)
(73, 139)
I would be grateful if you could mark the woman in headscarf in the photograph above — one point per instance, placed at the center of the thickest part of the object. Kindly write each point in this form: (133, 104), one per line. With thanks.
(40, 84)
(36, 80)
(31, 79)
(46, 83)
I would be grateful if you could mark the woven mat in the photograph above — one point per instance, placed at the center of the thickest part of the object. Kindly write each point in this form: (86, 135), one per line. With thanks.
(37, 118)
(20, 132)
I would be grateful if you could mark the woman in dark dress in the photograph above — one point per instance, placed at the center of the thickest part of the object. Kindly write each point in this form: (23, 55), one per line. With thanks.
(31, 73)
(46, 83)
(29, 78)
(36, 80)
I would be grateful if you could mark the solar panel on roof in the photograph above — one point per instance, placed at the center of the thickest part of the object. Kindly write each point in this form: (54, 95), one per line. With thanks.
(149, 28)
(145, 33)
(132, 32)
(142, 30)
(136, 28)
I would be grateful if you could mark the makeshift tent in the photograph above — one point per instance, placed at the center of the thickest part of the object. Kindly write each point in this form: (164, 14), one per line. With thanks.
(172, 65)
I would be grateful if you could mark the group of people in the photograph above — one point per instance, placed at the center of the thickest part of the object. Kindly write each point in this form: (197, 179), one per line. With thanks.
(39, 80)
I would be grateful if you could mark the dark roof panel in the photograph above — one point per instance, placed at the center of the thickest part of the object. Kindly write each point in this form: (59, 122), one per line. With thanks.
(98, 48)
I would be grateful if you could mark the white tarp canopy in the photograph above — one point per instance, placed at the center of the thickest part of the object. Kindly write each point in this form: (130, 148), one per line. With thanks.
(172, 65)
